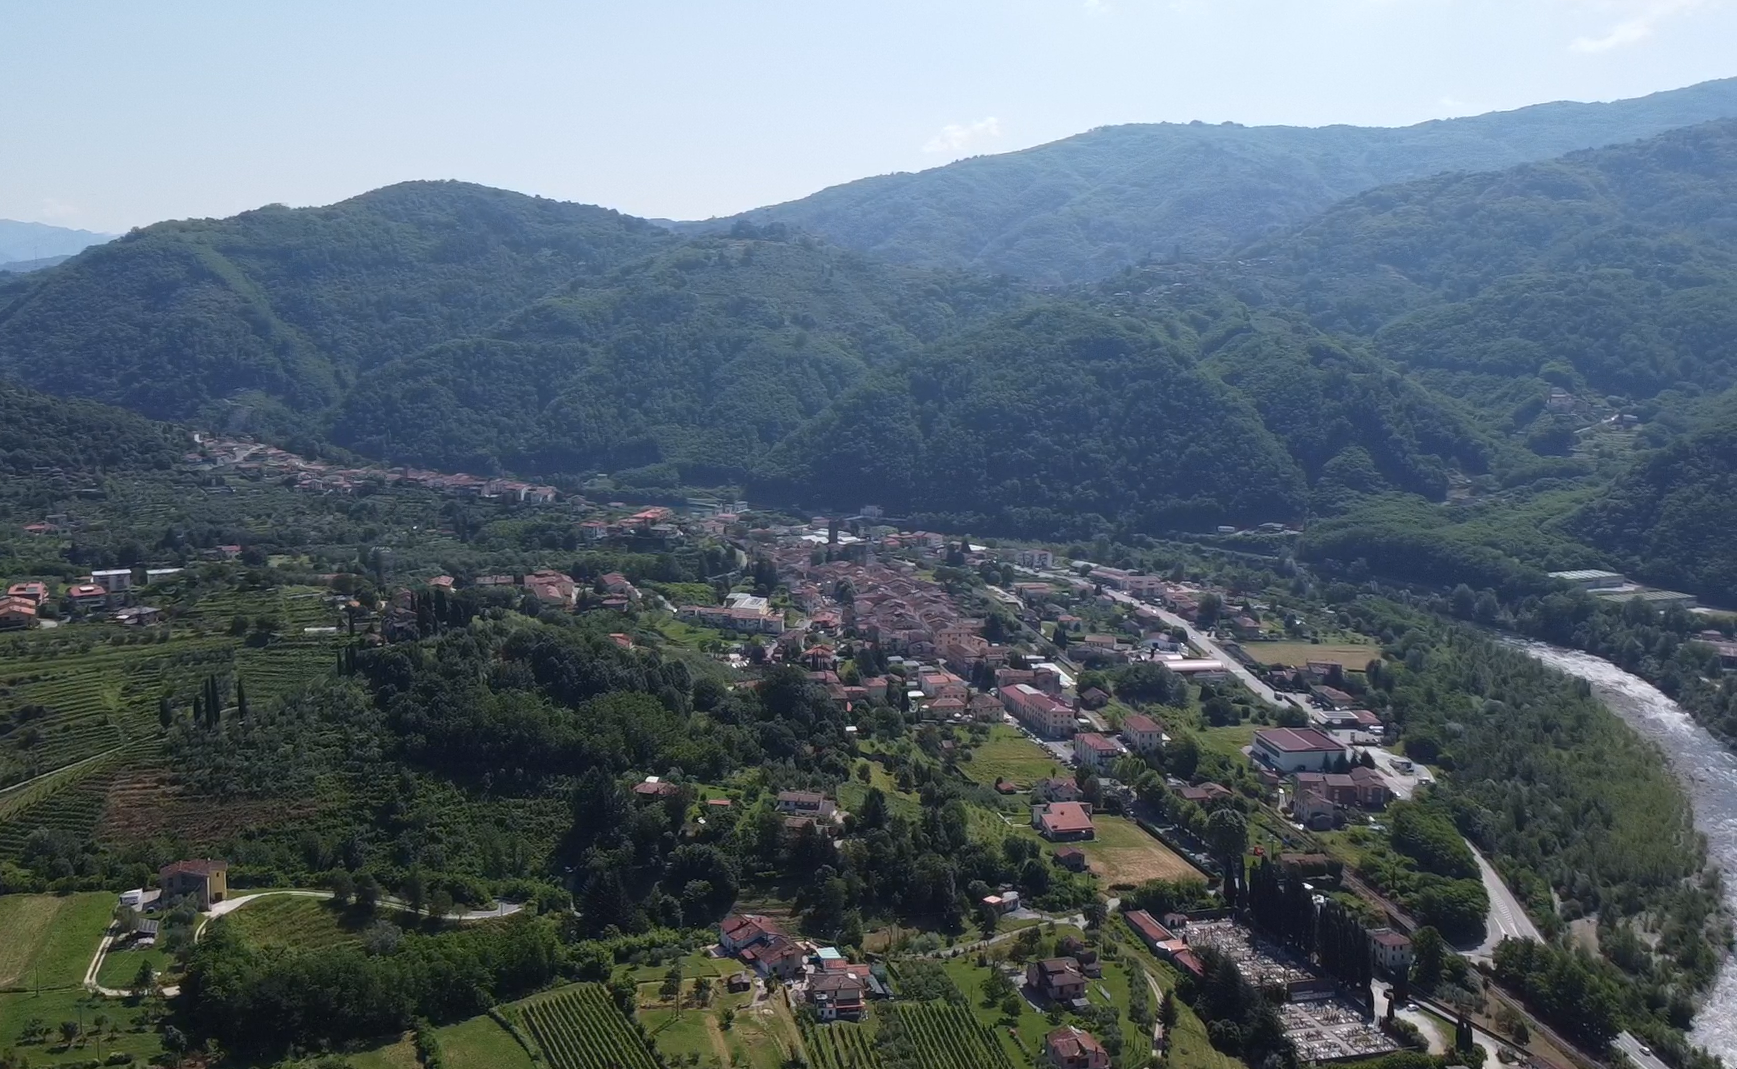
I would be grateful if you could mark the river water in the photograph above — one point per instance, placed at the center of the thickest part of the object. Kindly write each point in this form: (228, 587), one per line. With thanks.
(1708, 772)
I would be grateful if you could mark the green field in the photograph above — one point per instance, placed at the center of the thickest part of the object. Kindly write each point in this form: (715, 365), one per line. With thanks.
(121, 967)
(124, 1028)
(479, 1043)
(50, 939)
(1011, 756)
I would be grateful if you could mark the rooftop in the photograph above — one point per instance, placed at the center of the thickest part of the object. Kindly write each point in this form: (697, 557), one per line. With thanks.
(1299, 740)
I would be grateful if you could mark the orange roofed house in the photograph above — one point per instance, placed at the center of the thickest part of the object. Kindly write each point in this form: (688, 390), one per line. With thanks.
(206, 881)
(1073, 1048)
(1063, 821)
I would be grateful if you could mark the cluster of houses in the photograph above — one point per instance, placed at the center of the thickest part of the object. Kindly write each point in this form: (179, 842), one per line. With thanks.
(316, 476)
(823, 977)
(103, 589)
(1323, 782)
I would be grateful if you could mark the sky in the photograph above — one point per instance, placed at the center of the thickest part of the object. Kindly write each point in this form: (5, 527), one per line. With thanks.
(119, 115)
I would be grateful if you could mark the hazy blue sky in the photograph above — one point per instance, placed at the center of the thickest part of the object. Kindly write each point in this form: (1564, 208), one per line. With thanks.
(116, 115)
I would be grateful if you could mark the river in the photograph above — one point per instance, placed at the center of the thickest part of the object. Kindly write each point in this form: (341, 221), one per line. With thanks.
(1708, 771)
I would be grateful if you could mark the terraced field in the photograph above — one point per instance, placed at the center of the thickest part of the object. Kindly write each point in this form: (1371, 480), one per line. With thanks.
(71, 802)
(81, 690)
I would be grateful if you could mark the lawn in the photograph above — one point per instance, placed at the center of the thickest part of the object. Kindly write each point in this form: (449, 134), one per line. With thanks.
(1351, 656)
(121, 967)
(1124, 854)
(479, 1043)
(1011, 756)
(122, 1031)
(50, 939)
(1228, 740)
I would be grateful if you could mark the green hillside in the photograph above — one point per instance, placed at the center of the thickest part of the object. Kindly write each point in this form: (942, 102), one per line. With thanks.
(40, 432)
(281, 308)
(1086, 206)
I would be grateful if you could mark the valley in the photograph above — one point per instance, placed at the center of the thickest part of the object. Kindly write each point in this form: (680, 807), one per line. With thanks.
(1177, 624)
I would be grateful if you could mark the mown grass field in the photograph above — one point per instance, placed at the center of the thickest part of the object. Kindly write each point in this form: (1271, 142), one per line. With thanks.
(479, 1043)
(1349, 655)
(48, 940)
(1124, 854)
(121, 967)
(1011, 756)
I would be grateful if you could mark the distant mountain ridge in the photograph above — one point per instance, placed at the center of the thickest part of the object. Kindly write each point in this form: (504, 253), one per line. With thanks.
(21, 243)
(1088, 205)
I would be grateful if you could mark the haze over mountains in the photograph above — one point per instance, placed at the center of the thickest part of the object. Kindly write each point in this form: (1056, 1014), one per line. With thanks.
(32, 246)
(1448, 337)
(1088, 205)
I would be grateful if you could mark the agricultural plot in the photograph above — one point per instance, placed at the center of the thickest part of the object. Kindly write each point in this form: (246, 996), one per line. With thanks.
(840, 1045)
(1352, 656)
(71, 804)
(1124, 854)
(301, 922)
(579, 1028)
(49, 939)
(945, 1036)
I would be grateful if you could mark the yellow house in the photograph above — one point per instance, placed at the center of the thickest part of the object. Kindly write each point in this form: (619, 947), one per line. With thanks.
(207, 881)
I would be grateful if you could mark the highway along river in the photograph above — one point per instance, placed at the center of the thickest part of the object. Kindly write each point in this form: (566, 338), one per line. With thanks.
(1709, 773)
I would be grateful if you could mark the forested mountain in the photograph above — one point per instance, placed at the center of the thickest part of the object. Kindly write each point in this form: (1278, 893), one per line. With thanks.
(1048, 420)
(1608, 273)
(285, 307)
(35, 241)
(1405, 342)
(692, 363)
(39, 432)
(1086, 206)
(1671, 516)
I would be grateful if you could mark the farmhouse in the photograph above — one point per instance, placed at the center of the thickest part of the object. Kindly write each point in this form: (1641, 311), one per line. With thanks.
(836, 995)
(1057, 979)
(811, 804)
(1288, 750)
(739, 931)
(205, 881)
(1072, 1048)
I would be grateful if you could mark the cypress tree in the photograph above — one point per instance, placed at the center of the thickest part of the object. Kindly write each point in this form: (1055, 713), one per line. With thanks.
(240, 699)
(165, 712)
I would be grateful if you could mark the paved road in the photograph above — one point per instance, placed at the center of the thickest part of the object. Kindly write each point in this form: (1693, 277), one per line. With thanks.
(1207, 647)
(1507, 917)
(1637, 1052)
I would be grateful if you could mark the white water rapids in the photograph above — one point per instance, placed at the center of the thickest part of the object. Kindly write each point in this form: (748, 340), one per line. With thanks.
(1708, 772)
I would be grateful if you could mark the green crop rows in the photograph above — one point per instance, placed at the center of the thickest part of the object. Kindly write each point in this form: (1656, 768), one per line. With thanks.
(580, 1028)
(840, 1045)
(949, 1037)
